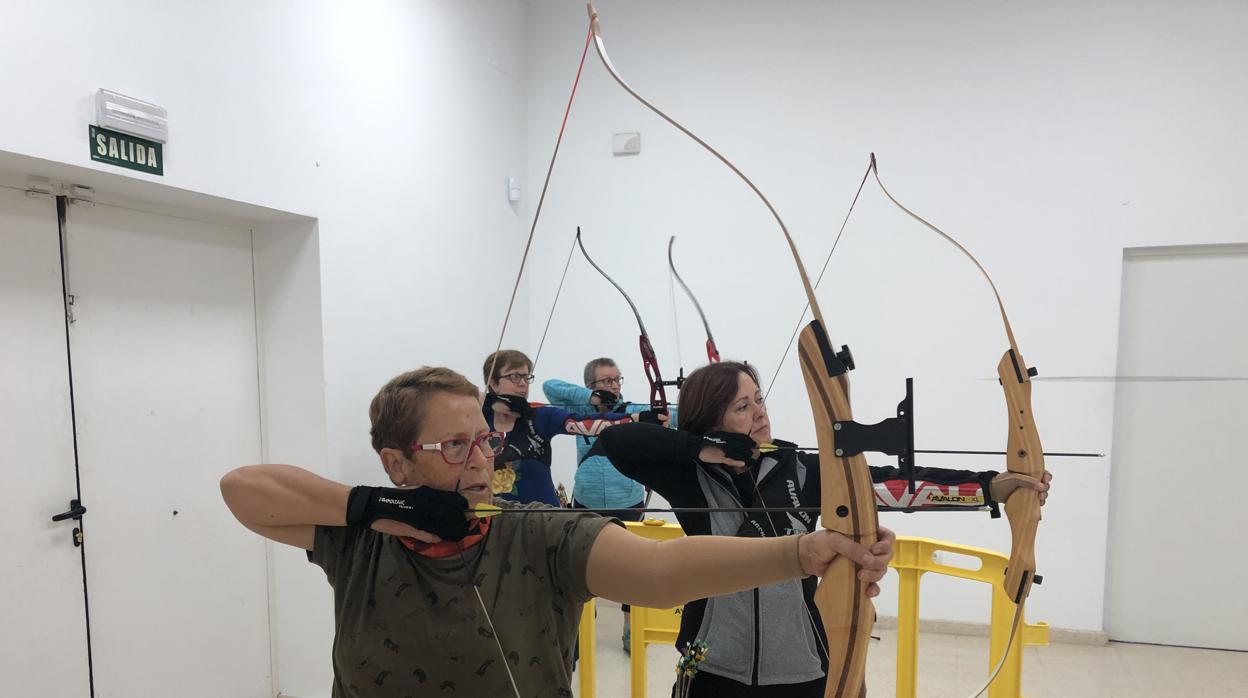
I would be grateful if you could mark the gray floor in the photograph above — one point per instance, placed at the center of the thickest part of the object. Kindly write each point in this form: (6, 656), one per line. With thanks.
(951, 666)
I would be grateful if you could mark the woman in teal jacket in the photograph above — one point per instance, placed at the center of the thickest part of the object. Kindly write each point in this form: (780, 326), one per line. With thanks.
(598, 485)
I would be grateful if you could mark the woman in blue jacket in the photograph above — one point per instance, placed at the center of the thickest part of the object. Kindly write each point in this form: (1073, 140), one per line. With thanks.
(522, 470)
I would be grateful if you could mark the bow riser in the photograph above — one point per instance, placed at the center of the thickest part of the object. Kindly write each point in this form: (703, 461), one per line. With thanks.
(658, 395)
(849, 509)
(1024, 455)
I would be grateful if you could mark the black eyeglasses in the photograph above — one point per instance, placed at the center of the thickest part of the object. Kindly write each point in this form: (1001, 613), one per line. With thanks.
(609, 381)
(518, 378)
(455, 451)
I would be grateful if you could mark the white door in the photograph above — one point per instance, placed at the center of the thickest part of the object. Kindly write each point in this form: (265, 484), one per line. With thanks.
(1177, 569)
(165, 383)
(43, 628)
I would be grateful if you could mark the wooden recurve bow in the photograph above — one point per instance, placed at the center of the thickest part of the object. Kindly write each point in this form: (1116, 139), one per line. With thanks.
(848, 505)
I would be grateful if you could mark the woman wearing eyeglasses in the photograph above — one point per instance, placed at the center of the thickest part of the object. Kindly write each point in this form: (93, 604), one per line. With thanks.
(598, 485)
(429, 599)
(714, 461)
(524, 466)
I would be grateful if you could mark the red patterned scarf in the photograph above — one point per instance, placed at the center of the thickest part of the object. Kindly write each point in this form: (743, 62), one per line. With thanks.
(476, 533)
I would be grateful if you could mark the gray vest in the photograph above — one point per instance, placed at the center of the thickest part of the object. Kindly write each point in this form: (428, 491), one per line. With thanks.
(780, 633)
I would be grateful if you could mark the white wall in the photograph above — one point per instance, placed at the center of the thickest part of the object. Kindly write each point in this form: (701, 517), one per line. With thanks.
(1046, 137)
(392, 123)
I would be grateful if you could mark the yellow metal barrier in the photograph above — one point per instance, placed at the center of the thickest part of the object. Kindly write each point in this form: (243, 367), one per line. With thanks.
(912, 558)
(585, 665)
(650, 625)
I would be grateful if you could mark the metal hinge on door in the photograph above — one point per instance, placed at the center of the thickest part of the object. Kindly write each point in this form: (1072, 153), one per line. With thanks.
(42, 188)
(79, 194)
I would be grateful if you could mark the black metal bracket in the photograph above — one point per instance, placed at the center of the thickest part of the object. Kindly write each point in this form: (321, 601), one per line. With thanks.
(893, 436)
(1018, 373)
(837, 362)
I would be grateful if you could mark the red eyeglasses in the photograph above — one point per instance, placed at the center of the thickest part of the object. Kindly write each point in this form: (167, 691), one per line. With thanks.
(455, 451)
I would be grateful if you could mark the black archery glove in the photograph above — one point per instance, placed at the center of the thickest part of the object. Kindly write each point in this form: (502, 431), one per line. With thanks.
(606, 397)
(439, 512)
(515, 403)
(735, 446)
(650, 417)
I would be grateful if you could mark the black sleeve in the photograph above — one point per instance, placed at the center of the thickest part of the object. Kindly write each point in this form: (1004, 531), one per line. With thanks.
(660, 458)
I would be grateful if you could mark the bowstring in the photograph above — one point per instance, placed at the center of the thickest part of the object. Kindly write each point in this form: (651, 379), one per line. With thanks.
(671, 286)
(471, 583)
(822, 271)
(553, 305)
(541, 200)
(754, 481)
(537, 213)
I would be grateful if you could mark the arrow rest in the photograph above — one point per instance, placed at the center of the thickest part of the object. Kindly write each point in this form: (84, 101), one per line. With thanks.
(680, 380)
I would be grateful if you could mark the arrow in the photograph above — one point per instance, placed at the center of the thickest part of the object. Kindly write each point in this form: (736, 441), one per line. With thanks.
(483, 511)
(771, 448)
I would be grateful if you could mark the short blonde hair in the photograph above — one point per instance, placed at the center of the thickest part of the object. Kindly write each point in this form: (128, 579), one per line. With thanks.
(397, 410)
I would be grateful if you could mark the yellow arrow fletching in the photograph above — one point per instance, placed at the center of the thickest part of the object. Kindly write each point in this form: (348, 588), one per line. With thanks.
(484, 511)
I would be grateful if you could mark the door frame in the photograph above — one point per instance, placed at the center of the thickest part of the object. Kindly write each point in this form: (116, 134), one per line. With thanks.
(290, 355)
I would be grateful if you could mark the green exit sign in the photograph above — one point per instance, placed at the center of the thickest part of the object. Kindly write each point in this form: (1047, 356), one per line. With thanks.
(124, 150)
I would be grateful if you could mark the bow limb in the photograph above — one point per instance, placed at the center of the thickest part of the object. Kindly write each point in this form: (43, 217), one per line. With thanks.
(712, 351)
(658, 394)
(848, 505)
(1024, 453)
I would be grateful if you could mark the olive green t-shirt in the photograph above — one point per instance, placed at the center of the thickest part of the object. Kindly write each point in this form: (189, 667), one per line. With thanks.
(410, 625)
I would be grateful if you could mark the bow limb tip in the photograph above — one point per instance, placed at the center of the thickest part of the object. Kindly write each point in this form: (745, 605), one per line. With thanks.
(593, 19)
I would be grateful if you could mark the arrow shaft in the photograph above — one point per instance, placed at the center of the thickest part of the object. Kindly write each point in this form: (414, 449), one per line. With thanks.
(1056, 454)
(704, 510)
